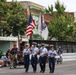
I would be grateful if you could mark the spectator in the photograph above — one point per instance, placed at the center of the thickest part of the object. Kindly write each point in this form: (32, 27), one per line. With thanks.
(4, 58)
(1, 63)
(8, 51)
(67, 51)
(72, 50)
(14, 50)
(59, 51)
(9, 58)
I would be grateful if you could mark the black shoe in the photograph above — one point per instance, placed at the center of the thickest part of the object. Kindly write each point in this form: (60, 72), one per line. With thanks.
(26, 70)
(34, 71)
(52, 72)
(24, 66)
(41, 71)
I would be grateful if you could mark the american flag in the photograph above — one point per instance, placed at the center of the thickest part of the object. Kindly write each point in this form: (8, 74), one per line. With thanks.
(31, 25)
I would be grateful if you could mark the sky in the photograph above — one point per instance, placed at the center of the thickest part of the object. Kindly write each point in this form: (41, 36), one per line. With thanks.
(70, 5)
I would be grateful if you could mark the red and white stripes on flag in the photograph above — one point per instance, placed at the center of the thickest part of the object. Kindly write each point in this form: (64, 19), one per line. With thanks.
(29, 30)
(31, 25)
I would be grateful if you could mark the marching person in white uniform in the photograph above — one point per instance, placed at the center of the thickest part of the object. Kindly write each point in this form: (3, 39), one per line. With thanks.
(34, 51)
(26, 54)
(43, 58)
(51, 54)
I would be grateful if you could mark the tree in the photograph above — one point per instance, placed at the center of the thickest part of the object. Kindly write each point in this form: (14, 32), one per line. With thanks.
(12, 18)
(61, 24)
(16, 18)
(74, 33)
(2, 0)
(3, 20)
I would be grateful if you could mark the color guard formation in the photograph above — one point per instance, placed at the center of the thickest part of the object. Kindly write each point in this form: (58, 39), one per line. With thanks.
(39, 55)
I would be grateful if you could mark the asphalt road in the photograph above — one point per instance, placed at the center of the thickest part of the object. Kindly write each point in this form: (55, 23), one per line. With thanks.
(66, 68)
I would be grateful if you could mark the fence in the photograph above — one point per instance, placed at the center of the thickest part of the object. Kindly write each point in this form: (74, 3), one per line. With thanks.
(67, 47)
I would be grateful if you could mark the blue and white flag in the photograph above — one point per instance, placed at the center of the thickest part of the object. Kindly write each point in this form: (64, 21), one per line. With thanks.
(42, 28)
(40, 24)
(45, 32)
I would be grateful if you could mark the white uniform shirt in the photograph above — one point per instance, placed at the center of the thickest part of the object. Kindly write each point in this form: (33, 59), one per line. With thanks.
(43, 51)
(51, 53)
(34, 50)
(26, 52)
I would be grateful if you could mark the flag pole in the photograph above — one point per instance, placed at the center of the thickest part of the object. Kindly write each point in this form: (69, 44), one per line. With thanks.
(41, 24)
(31, 26)
(31, 35)
(28, 14)
(29, 29)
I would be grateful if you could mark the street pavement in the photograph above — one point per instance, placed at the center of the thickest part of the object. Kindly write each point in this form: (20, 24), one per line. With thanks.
(66, 68)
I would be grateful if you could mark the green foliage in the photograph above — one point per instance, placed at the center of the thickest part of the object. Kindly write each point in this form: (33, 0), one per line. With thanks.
(74, 33)
(37, 37)
(12, 18)
(3, 17)
(2, 0)
(61, 26)
(16, 18)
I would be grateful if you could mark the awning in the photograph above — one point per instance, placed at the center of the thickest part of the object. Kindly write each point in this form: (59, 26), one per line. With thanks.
(11, 39)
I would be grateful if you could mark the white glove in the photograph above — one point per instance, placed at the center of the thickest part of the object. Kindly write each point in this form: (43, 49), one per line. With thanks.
(42, 54)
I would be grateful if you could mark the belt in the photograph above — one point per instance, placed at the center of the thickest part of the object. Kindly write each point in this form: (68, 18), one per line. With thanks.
(52, 57)
(42, 56)
(26, 54)
(34, 55)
